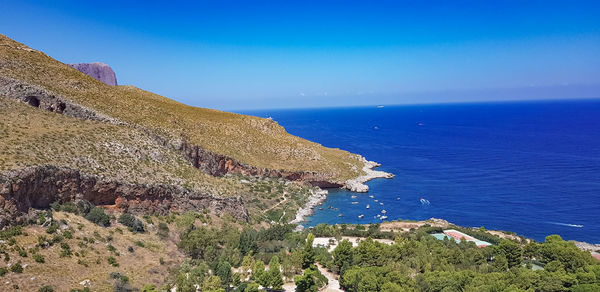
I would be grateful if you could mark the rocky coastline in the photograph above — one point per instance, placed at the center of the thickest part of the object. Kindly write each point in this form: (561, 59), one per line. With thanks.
(316, 198)
(358, 184)
(354, 185)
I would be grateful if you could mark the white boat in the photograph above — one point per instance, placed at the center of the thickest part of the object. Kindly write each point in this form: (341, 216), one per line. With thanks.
(381, 204)
(383, 211)
(361, 216)
(371, 196)
(340, 215)
(368, 206)
(353, 197)
(376, 201)
(354, 203)
(383, 217)
(380, 106)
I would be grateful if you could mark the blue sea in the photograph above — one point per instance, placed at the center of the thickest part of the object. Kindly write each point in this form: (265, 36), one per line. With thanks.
(528, 167)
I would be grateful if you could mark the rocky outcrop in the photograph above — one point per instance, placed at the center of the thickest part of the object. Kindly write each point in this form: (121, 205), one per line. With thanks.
(218, 165)
(358, 184)
(37, 187)
(41, 98)
(99, 71)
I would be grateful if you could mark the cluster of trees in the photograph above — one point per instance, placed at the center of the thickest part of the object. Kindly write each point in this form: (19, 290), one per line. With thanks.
(372, 230)
(237, 259)
(234, 260)
(418, 262)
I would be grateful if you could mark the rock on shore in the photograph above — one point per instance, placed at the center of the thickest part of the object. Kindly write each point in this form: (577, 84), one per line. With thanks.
(358, 184)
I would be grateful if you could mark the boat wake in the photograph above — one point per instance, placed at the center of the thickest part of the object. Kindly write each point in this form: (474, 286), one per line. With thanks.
(566, 224)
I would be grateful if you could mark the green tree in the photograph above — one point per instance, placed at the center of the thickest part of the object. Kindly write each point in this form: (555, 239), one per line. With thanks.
(512, 251)
(342, 255)
(500, 263)
(252, 287)
(224, 272)
(308, 253)
(275, 278)
(212, 284)
(258, 270)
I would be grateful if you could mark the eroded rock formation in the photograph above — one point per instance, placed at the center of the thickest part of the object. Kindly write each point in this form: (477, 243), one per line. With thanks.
(44, 99)
(99, 71)
(38, 186)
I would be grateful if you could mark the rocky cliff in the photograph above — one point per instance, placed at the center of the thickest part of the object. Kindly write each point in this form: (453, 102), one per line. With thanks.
(100, 71)
(38, 186)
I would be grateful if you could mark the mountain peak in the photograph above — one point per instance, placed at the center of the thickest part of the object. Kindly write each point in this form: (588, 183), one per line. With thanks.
(99, 71)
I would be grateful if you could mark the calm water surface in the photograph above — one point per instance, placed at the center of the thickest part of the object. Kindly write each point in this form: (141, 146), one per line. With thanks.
(529, 167)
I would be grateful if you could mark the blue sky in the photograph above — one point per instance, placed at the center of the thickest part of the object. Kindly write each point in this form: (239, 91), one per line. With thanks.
(274, 54)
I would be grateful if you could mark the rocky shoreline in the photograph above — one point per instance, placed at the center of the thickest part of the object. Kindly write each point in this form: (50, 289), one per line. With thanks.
(354, 185)
(358, 184)
(317, 197)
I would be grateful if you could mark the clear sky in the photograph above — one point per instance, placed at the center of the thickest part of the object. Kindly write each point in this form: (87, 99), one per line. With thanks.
(272, 54)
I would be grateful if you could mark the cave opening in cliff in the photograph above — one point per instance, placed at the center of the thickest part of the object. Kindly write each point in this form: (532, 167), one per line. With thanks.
(33, 101)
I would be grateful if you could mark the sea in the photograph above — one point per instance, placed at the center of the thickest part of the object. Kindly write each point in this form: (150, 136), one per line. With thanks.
(528, 167)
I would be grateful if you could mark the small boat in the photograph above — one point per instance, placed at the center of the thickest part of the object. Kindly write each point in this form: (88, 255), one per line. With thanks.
(354, 203)
(383, 211)
(378, 215)
(398, 199)
(340, 215)
(320, 208)
(368, 206)
(329, 207)
(380, 106)
(381, 204)
(383, 217)
(376, 201)
(353, 197)
(371, 196)
(361, 216)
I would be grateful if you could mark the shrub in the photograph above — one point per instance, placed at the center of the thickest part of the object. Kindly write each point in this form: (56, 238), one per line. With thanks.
(3, 271)
(68, 234)
(112, 261)
(38, 258)
(65, 250)
(10, 232)
(163, 230)
(69, 207)
(84, 206)
(134, 224)
(55, 206)
(97, 215)
(46, 289)
(17, 268)
(52, 228)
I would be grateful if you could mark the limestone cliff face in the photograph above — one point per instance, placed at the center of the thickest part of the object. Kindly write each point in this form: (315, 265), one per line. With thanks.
(99, 71)
(38, 186)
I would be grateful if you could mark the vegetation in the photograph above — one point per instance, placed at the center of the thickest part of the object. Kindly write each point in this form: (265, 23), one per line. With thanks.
(132, 223)
(254, 141)
(98, 216)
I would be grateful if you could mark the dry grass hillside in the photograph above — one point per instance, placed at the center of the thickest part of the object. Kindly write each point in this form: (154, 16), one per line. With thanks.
(29, 136)
(251, 140)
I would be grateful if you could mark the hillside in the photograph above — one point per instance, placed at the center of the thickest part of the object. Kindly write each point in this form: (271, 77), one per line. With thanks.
(247, 142)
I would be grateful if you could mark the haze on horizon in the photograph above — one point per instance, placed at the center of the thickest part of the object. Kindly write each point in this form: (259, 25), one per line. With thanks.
(269, 54)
